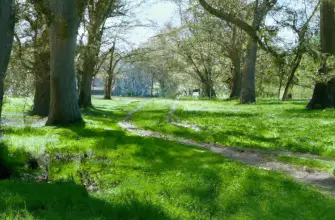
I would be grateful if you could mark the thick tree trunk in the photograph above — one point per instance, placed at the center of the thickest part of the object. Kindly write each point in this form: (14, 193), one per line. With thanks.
(85, 94)
(108, 88)
(42, 97)
(42, 84)
(323, 96)
(324, 92)
(7, 22)
(64, 108)
(237, 78)
(287, 95)
(248, 94)
(208, 90)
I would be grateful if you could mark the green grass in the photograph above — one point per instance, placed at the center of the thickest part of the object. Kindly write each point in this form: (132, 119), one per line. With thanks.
(132, 177)
(267, 125)
(327, 166)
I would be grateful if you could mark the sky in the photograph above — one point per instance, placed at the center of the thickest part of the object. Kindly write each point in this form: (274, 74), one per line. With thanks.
(161, 12)
(155, 13)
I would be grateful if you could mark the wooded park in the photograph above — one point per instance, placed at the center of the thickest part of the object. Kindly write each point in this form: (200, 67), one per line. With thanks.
(167, 109)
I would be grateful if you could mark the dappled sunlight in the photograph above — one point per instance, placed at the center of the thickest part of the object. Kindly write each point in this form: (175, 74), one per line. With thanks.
(271, 127)
(101, 171)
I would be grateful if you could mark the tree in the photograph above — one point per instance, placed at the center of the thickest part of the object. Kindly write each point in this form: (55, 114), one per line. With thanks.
(111, 70)
(7, 23)
(231, 39)
(260, 10)
(34, 54)
(98, 11)
(324, 91)
(194, 47)
(64, 23)
(298, 20)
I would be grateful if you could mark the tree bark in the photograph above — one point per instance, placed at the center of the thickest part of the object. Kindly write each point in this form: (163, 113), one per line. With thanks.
(152, 85)
(248, 94)
(64, 108)
(208, 90)
(324, 92)
(7, 23)
(42, 84)
(289, 83)
(237, 78)
(42, 96)
(323, 96)
(108, 88)
(85, 94)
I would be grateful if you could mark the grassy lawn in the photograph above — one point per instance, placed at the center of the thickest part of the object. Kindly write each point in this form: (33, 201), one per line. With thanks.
(101, 172)
(267, 125)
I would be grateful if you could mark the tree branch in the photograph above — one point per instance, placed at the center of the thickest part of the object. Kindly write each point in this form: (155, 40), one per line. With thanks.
(251, 31)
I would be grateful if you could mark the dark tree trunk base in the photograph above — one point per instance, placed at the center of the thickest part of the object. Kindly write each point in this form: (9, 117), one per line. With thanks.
(65, 123)
(288, 97)
(108, 89)
(323, 96)
(42, 99)
(235, 92)
(208, 91)
(248, 97)
(85, 95)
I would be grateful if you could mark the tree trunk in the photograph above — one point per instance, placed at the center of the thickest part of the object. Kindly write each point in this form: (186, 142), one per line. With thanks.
(7, 23)
(162, 88)
(324, 92)
(152, 85)
(237, 78)
(64, 108)
(208, 90)
(248, 94)
(42, 84)
(42, 97)
(85, 94)
(108, 88)
(323, 96)
(281, 79)
(289, 83)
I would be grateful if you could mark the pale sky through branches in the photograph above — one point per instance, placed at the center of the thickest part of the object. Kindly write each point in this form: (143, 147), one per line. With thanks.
(159, 13)
(162, 12)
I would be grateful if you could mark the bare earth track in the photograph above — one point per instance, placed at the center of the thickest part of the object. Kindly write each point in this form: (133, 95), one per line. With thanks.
(255, 157)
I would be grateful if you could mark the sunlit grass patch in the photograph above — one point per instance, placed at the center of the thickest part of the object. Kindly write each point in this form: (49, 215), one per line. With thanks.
(102, 172)
(268, 125)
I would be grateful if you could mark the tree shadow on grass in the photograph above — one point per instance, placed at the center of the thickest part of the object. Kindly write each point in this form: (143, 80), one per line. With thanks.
(68, 201)
(196, 182)
(221, 114)
(305, 113)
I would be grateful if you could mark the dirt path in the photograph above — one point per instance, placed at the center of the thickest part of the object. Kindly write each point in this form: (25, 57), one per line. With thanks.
(322, 180)
(170, 118)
